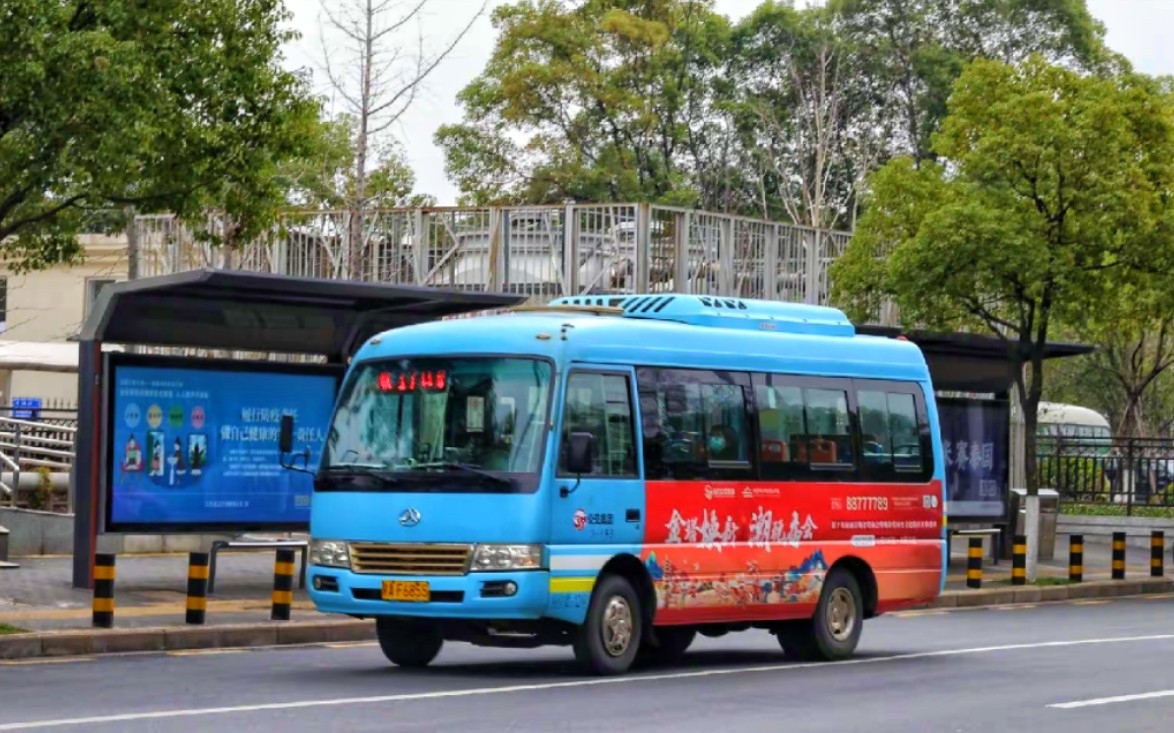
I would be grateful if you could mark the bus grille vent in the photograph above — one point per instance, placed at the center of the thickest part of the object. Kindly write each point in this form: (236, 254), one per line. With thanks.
(410, 559)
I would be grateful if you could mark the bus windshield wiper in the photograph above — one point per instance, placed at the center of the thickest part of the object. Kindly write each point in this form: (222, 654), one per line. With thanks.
(464, 467)
(352, 470)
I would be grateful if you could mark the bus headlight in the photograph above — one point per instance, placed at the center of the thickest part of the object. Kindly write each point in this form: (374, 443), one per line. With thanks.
(330, 553)
(507, 557)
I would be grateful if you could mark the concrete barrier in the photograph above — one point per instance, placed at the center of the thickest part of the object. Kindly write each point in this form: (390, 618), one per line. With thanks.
(1137, 529)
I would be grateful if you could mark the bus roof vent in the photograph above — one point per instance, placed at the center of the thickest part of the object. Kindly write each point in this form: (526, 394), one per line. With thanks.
(715, 312)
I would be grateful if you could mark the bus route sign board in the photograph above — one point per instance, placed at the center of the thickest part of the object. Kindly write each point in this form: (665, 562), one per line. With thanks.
(976, 448)
(192, 445)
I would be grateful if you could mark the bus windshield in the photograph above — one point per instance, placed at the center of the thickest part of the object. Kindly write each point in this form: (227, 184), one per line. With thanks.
(442, 424)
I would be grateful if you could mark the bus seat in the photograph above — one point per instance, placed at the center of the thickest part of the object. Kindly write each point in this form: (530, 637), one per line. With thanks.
(774, 451)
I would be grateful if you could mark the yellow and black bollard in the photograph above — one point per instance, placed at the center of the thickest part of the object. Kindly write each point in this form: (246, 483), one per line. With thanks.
(197, 608)
(104, 591)
(1118, 556)
(1157, 545)
(974, 563)
(1019, 561)
(1075, 558)
(283, 572)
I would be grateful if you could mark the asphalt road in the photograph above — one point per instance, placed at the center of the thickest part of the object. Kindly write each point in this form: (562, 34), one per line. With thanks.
(1104, 665)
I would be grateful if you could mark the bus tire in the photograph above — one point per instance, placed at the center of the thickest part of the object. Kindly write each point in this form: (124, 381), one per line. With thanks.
(609, 638)
(834, 631)
(407, 644)
(673, 642)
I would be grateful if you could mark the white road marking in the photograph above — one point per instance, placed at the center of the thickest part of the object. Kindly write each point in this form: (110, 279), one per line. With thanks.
(595, 682)
(1111, 700)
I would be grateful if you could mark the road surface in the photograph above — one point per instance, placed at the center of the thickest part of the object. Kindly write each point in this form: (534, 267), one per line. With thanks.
(1082, 666)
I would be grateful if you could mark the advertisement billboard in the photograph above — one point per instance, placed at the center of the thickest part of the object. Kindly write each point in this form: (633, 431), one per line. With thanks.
(193, 445)
(976, 443)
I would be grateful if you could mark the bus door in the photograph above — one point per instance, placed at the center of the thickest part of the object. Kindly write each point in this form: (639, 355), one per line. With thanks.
(606, 506)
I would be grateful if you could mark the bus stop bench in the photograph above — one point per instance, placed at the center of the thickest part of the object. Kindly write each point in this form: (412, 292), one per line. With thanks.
(995, 533)
(255, 544)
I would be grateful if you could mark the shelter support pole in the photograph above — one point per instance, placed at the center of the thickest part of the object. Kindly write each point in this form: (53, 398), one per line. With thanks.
(86, 463)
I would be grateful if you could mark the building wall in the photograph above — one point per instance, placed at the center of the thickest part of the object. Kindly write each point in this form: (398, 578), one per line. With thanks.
(50, 306)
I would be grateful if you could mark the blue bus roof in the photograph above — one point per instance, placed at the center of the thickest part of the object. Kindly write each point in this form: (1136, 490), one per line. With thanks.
(668, 331)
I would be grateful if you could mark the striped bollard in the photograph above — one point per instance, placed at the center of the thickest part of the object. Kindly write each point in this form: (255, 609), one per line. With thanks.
(1157, 562)
(283, 572)
(1118, 556)
(1019, 561)
(974, 563)
(197, 606)
(103, 591)
(1075, 558)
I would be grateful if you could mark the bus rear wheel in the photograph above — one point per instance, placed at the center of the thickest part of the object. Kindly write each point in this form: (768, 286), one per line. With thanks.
(833, 633)
(407, 644)
(608, 640)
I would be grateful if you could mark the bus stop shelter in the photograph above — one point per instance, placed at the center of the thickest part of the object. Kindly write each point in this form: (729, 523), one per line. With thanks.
(233, 310)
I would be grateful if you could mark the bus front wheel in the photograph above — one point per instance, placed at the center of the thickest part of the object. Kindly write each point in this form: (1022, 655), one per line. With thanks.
(608, 640)
(407, 644)
(834, 631)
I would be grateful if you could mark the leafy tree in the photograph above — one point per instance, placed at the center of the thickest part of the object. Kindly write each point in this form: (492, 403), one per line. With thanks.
(912, 51)
(601, 100)
(806, 123)
(159, 105)
(324, 176)
(1052, 194)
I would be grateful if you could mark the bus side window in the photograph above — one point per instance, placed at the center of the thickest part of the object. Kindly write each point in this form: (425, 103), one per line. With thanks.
(805, 427)
(893, 432)
(780, 418)
(695, 424)
(601, 404)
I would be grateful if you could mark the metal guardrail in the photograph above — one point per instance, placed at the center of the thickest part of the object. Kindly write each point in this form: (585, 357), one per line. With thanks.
(540, 251)
(32, 447)
(1123, 471)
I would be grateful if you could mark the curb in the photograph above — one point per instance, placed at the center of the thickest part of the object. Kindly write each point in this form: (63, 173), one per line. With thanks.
(86, 642)
(1010, 595)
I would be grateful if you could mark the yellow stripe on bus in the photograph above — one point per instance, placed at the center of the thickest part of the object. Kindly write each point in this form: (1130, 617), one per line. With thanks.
(571, 585)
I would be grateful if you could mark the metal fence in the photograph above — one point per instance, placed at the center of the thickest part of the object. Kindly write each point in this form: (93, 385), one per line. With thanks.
(1128, 472)
(36, 454)
(538, 251)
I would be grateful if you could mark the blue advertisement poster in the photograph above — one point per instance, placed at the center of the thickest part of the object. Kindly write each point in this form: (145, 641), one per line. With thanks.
(198, 447)
(976, 443)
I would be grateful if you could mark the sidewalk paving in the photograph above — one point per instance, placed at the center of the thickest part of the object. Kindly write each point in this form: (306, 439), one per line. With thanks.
(150, 590)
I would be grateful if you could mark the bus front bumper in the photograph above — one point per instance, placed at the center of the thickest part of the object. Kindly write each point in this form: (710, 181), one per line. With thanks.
(491, 596)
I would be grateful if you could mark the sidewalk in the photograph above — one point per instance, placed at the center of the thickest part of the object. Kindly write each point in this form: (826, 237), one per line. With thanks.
(150, 590)
(1098, 557)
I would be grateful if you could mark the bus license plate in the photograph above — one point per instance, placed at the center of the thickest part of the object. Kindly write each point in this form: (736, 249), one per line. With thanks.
(402, 590)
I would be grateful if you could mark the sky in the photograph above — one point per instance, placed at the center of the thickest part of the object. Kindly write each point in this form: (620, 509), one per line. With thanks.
(1133, 27)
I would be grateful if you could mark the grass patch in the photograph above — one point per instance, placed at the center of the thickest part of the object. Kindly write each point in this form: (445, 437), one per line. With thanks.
(6, 629)
(1117, 510)
(1052, 581)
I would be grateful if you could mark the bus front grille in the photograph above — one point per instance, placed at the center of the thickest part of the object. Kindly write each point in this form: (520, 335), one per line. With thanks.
(410, 559)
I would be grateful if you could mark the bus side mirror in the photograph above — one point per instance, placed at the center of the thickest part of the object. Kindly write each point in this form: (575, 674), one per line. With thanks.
(285, 442)
(581, 453)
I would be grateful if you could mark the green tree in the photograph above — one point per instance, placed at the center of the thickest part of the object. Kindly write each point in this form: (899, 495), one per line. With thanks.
(912, 51)
(324, 176)
(602, 100)
(160, 105)
(1052, 194)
